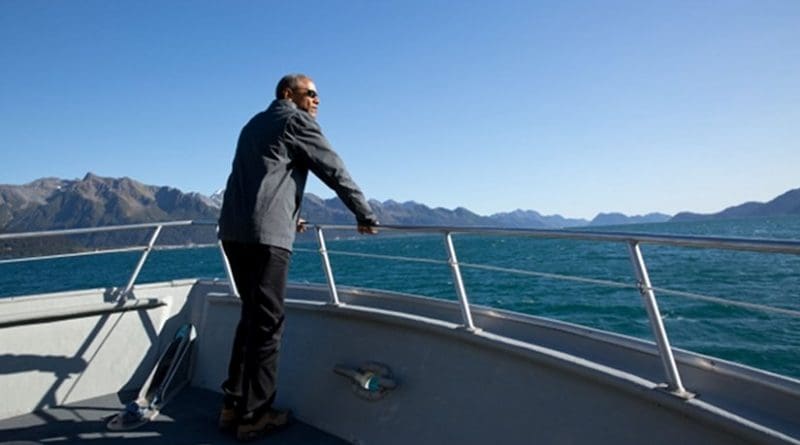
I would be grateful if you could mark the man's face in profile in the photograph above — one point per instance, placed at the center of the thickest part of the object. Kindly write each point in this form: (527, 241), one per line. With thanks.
(305, 96)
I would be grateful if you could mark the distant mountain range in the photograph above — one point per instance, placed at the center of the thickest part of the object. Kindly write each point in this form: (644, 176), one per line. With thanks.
(784, 205)
(53, 203)
(413, 213)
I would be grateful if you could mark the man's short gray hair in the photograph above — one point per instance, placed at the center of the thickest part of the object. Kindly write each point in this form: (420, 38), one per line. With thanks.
(290, 81)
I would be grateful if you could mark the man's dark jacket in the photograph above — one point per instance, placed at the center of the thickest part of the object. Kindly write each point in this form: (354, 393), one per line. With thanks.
(276, 149)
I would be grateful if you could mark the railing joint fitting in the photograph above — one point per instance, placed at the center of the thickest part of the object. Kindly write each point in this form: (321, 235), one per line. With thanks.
(469, 329)
(680, 393)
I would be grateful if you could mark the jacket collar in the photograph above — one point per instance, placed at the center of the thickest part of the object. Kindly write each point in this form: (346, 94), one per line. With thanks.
(283, 103)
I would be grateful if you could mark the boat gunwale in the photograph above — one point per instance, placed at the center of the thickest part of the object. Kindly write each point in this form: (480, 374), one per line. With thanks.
(630, 383)
(783, 383)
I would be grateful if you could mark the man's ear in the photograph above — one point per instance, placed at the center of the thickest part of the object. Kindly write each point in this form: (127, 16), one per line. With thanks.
(286, 93)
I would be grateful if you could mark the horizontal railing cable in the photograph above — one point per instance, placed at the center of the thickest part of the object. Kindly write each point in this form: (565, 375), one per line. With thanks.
(690, 295)
(572, 278)
(81, 231)
(182, 246)
(727, 302)
(105, 251)
(378, 256)
(550, 275)
(72, 255)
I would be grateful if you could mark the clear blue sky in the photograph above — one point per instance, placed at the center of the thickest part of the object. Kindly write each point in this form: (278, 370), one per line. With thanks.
(569, 107)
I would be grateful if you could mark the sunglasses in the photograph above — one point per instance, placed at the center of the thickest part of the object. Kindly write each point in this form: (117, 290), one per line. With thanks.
(310, 93)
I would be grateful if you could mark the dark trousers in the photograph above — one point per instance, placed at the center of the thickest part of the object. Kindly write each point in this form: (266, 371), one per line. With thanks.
(260, 273)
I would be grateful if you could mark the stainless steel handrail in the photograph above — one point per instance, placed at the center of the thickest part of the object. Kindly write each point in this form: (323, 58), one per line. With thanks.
(128, 289)
(728, 243)
(632, 240)
(725, 243)
(84, 230)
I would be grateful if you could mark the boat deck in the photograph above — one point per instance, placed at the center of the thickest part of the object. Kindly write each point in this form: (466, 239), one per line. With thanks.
(191, 418)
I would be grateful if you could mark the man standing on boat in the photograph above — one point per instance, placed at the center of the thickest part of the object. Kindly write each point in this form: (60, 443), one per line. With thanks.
(260, 214)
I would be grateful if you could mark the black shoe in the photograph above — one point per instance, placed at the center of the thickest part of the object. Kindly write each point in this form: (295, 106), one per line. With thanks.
(260, 424)
(229, 414)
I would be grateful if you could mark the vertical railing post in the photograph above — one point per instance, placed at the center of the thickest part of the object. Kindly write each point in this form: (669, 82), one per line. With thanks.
(326, 267)
(656, 322)
(142, 259)
(228, 271)
(466, 314)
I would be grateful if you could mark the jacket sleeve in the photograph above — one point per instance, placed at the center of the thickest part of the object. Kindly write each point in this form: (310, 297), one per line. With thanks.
(312, 146)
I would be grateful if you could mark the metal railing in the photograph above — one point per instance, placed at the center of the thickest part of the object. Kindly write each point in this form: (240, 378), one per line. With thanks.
(126, 291)
(631, 240)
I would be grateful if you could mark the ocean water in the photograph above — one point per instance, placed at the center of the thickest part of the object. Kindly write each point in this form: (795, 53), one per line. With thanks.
(762, 339)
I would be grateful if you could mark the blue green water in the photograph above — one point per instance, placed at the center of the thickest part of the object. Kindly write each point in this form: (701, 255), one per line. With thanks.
(765, 340)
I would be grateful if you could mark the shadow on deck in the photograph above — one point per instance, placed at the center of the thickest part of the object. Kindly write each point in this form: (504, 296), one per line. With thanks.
(191, 418)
